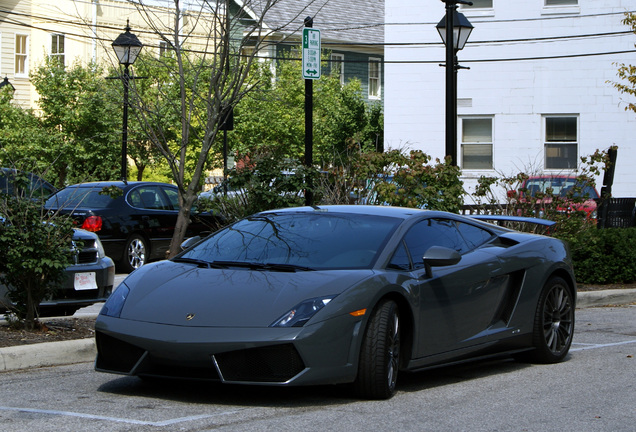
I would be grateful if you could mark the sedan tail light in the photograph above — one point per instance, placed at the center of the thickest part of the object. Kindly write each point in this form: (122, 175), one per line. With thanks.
(92, 223)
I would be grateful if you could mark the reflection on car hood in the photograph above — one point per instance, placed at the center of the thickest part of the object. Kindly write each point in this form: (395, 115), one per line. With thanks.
(166, 292)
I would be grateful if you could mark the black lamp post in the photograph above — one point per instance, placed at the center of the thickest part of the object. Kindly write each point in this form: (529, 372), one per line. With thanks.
(5, 82)
(453, 27)
(127, 47)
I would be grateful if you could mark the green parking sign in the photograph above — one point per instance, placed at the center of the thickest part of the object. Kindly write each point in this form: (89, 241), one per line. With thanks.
(311, 53)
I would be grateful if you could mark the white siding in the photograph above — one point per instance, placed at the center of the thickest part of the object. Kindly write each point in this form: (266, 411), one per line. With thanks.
(516, 93)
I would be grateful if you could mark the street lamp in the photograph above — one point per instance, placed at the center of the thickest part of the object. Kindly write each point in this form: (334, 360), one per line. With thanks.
(127, 47)
(453, 27)
(5, 82)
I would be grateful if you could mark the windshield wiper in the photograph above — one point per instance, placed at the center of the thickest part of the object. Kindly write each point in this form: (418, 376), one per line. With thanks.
(286, 267)
(198, 262)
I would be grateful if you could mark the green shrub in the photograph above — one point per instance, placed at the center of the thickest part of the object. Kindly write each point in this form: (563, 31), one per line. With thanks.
(35, 248)
(604, 256)
(270, 182)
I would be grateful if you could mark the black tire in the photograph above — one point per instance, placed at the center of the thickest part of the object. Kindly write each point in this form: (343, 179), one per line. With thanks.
(553, 322)
(135, 253)
(380, 353)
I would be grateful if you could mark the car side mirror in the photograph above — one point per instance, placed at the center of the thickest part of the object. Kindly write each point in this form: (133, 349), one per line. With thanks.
(190, 242)
(439, 256)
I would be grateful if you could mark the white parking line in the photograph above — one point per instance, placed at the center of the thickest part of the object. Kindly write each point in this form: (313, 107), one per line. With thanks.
(118, 419)
(595, 346)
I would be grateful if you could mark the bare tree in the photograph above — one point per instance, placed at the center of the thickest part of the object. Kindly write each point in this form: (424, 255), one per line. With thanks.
(212, 48)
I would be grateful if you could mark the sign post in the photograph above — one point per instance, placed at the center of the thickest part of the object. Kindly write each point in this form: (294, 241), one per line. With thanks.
(311, 71)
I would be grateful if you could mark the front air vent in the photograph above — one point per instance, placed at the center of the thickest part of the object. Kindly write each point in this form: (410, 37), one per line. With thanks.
(114, 355)
(277, 363)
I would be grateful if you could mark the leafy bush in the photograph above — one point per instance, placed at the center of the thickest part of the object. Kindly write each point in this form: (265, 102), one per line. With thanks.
(35, 248)
(268, 182)
(408, 180)
(604, 256)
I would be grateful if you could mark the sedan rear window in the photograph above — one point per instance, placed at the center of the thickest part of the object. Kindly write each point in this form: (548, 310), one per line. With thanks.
(309, 240)
(79, 197)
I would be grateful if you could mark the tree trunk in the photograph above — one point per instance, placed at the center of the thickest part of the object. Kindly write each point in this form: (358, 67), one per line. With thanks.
(29, 319)
(183, 221)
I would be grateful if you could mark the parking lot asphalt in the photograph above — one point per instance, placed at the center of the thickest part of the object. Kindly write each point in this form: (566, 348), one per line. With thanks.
(84, 350)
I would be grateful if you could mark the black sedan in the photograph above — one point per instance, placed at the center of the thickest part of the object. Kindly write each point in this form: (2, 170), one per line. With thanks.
(134, 220)
(341, 294)
(87, 281)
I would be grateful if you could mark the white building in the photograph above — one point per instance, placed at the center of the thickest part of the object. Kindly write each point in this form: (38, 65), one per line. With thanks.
(536, 97)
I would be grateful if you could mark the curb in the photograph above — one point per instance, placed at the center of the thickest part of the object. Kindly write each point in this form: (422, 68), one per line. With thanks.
(84, 350)
(613, 297)
(47, 354)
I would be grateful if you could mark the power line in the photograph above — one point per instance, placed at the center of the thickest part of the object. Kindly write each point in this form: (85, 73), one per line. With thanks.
(394, 44)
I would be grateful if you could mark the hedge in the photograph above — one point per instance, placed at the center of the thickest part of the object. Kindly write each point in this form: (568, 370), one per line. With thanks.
(604, 256)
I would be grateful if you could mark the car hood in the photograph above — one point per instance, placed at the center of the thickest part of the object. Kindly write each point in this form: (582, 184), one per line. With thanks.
(166, 292)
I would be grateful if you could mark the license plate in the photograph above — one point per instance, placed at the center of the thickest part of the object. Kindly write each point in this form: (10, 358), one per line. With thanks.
(85, 281)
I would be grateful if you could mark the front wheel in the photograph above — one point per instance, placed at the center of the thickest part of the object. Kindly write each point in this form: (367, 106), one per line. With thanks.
(553, 322)
(135, 253)
(380, 353)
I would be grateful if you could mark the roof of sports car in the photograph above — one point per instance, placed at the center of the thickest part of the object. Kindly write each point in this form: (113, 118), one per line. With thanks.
(399, 212)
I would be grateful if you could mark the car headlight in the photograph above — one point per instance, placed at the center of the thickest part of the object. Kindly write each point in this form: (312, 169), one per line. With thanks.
(300, 314)
(115, 302)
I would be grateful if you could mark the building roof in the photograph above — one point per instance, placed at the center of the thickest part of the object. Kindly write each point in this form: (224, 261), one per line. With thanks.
(357, 21)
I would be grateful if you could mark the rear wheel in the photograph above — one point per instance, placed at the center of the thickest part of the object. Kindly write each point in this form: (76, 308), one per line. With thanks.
(135, 253)
(553, 322)
(380, 353)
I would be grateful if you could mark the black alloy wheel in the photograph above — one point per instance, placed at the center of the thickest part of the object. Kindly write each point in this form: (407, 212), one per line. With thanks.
(554, 322)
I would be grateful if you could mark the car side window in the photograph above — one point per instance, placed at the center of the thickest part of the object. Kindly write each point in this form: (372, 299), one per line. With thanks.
(401, 259)
(433, 232)
(148, 197)
(173, 197)
(39, 189)
(474, 236)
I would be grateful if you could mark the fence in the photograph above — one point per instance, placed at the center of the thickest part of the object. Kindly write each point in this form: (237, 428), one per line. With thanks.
(617, 213)
(613, 213)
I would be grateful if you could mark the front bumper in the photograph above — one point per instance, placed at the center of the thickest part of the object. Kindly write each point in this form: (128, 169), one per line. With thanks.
(322, 353)
(73, 292)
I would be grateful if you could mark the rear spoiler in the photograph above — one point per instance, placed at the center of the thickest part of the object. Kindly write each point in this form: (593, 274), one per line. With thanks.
(504, 218)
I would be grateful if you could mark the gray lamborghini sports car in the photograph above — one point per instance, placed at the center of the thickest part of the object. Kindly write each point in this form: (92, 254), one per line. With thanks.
(341, 294)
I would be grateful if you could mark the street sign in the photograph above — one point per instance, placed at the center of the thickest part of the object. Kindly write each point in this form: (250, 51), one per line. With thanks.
(311, 53)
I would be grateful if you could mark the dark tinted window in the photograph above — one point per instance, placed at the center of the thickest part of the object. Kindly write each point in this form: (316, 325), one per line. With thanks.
(316, 240)
(474, 236)
(35, 188)
(148, 197)
(433, 232)
(75, 197)
(173, 197)
(401, 259)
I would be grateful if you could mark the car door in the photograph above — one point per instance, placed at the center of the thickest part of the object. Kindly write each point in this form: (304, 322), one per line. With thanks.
(155, 215)
(459, 302)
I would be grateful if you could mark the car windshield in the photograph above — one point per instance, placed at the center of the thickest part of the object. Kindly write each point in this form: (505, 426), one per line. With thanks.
(36, 187)
(304, 240)
(74, 197)
(560, 186)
